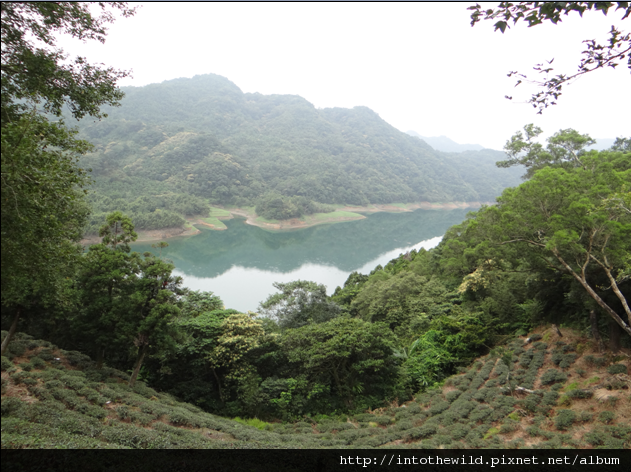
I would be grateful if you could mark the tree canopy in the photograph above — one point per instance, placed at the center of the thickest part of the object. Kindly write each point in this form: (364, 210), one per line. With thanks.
(595, 56)
(43, 212)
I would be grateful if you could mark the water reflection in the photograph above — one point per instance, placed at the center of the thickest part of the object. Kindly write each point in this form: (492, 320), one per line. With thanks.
(241, 264)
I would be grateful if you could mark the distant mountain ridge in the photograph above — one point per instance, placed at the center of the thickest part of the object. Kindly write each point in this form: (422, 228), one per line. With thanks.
(204, 139)
(443, 143)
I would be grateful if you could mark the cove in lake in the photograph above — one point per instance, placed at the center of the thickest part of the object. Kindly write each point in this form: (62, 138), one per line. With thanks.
(241, 263)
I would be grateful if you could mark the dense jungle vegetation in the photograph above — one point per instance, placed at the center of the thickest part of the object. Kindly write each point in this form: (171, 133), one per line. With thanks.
(554, 249)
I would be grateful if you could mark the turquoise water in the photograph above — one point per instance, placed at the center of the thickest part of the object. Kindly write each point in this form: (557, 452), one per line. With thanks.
(241, 263)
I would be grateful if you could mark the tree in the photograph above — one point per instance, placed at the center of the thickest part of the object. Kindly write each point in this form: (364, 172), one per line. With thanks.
(35, 71)
(106, 281)
(153, 305)
(118, 231)
(42, 208)
(564, 149)
(42, 211)
(621, 144)
(595, 56)
(240, 334)
(350, 356)
(299, 303)
(161, 245)
(565, 220)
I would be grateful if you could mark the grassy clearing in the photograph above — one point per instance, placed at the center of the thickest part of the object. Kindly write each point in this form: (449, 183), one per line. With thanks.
(336, 215)
(260, 219)
(219, 213)
(217, 223)
(68, 403)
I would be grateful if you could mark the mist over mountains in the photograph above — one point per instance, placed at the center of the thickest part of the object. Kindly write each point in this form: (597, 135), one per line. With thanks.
(444, 144)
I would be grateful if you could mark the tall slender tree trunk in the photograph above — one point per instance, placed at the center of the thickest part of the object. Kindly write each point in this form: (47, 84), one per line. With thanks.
(141, 355)
(593, 318)
(218, 385)
(614, 336)
(582, 280)
(100, 356)
(14, 326)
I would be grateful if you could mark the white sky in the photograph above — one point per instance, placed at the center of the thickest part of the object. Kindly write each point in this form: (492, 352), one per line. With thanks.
(420, 66)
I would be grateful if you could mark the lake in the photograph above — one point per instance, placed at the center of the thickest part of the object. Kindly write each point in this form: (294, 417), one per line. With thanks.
(241, 263)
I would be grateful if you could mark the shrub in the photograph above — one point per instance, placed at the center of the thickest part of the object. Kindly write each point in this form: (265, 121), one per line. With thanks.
(564, 401)
(500, 412)
(134, 437)
(10, 406)
(351, 435)
(438, 407)
(52, 384)
(596, 361)
(442, 440)
(564, 419)
(606, 417)
(76, 358)
(403, 425)
(509, 426)
(580, 372)
(486, 394)
(531, 402)
(552, 376)
(620, 431)
(138, 417)
(596, 438)
(617, 369)
(550, 398)
(567, 361)
(461, 408)
(495, 382)
(73, 381)
(40, 393)
(451, 396)
(335, 426)
(67, 396)
(459, 431)
(37, 362)
(402, 414)
(17, 348)
(421, 432)
(180, 416)
(540, 346)
(585, 417)
(582, 394)
(122, 411)
(7, 365)
(46, 355)
(29, 382)
(480, 413)
(364, 417)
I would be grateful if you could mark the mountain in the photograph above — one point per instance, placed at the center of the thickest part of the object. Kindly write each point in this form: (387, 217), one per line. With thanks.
(443, 143)
(176, 146)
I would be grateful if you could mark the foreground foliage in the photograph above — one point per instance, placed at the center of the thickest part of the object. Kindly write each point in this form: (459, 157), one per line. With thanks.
(56, 398)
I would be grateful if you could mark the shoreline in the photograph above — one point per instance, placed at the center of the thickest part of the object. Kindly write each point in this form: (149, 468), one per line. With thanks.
(345, 213)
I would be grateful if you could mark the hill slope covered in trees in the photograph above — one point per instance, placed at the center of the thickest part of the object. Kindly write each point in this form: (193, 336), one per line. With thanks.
(181, 144)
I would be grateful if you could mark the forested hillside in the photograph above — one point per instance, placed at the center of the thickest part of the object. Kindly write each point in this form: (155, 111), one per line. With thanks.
(176, 146)
(514, 331)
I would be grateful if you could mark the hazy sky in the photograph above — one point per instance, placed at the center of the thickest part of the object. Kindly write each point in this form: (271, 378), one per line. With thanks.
(420, 66)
